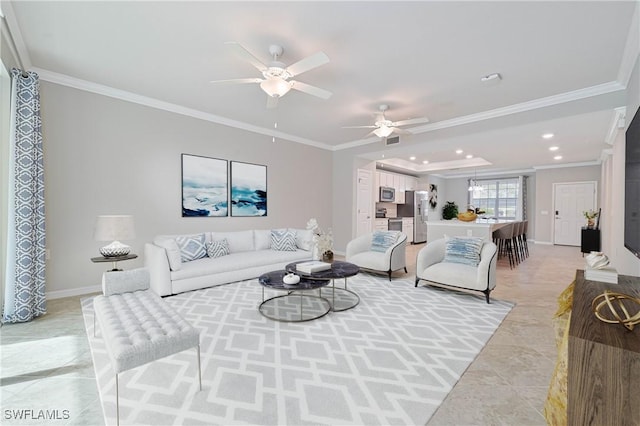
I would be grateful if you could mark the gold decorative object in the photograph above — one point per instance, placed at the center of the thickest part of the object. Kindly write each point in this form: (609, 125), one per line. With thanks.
(616, 304)
(467, 216)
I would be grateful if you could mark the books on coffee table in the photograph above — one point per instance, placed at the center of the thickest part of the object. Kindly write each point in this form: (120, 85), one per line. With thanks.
(312, 266)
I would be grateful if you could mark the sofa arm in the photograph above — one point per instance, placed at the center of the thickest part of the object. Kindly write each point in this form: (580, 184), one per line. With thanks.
(429, 255)
(358, 245)
(487, 267)
(155, 259)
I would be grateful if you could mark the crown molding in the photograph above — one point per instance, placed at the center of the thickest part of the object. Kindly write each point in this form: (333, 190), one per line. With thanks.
(567, 165)
(76, 83)
(14, 36)
(617, 123)
(587, 92)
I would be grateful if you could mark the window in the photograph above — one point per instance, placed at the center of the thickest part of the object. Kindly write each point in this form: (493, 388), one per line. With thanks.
(497, 197)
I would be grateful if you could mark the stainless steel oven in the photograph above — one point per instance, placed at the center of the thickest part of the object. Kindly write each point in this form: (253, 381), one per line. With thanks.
(395, 224)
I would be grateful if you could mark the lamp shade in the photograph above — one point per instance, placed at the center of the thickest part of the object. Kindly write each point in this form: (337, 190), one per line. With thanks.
(383, 131)
(275, 87)
(114, 227)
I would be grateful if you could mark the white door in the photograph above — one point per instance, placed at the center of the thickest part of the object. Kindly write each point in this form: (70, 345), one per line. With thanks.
(364, 202)
(570, 201)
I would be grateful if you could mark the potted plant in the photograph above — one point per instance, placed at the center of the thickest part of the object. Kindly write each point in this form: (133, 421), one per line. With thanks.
(450, 210)
(591, 216)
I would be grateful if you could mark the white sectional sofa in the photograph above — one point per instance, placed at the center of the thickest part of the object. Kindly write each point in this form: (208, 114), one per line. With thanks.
(250, 254)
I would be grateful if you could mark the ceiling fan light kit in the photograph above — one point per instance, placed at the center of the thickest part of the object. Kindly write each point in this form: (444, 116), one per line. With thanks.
(275, 87)
(384, 127)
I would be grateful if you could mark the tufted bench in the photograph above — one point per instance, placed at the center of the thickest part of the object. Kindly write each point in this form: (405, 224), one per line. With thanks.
(137, 325)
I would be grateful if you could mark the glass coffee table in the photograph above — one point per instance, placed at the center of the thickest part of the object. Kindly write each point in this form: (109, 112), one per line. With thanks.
(298, 304)
(346, 299)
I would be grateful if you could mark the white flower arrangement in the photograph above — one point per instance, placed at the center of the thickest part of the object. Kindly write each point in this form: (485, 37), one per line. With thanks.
(323, 240)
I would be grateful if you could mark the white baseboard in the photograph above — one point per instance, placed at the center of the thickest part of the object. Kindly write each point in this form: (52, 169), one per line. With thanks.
(544, 243)
(59, 294)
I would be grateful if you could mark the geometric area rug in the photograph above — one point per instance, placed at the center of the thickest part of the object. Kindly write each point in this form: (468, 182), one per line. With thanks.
(390, 360)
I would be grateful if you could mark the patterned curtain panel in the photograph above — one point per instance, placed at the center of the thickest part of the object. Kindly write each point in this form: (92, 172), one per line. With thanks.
(24, 284)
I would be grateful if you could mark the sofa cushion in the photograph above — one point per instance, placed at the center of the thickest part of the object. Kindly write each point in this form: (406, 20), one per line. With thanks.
(304, 238)
(236, 262)
(218, 248)
(262, 239)
(382, 240)
(239, 241)
(373, 260)
(283, 240)
(458, 275)
(465, 250)
(172, 249)
(191, 247)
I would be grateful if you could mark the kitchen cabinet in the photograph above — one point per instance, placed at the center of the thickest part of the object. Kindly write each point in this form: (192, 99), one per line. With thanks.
(400, 188)
(410, 183)
(381, 225)
(407, 228)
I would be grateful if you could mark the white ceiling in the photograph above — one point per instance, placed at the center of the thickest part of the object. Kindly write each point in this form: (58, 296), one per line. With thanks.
(563, 65)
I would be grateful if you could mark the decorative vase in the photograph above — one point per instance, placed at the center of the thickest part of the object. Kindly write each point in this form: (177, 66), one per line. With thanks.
(327, 256)
(591, 223)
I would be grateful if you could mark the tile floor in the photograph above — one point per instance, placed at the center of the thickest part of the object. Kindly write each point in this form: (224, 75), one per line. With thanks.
(46, 364)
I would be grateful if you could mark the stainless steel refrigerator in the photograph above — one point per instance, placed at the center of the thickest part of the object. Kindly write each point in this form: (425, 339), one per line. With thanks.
(416, 206)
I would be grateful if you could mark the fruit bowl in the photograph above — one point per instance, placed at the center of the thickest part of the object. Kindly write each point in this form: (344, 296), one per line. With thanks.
(467, 216)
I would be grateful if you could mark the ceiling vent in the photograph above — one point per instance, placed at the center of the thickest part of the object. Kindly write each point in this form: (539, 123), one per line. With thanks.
(392, 141)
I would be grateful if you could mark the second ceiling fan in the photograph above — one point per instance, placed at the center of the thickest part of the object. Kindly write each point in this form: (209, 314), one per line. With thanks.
(276, 75)
(384, 127)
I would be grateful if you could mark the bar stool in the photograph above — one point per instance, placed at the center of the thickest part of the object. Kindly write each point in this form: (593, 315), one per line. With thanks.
(517, 242)
(525, 245)
(503, 238)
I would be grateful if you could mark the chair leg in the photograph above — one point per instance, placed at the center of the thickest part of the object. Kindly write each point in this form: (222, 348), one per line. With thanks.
(486, 294)
(389, 272)
(417, 280)
(405, 270)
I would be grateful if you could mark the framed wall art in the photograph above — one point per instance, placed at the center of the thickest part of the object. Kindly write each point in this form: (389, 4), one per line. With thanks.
(433, 195)
(204, 186)
(248, 189)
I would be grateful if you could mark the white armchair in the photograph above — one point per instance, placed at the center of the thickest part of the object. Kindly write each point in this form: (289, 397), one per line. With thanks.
(430, 267)
(392, 259)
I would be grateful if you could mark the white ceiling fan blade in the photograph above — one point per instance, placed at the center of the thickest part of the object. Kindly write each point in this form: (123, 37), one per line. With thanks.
(308, 63)
(411, 121)
(238, 80)
(401, 131)
(359, 127)
(272, 102)
(311, 90)
(246, 55)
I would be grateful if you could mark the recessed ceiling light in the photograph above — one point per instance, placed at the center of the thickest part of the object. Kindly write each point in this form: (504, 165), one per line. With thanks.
(459, 151)
(469, 156)
(413, 157)
(382, 155)
(558, 157)
(547, 136)
(425, 162)
(553, 148)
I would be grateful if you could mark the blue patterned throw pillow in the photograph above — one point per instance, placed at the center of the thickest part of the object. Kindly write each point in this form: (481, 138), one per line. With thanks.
(218, 248)
(465, 250)
(191, 247)
(283, 240)
(382, 240)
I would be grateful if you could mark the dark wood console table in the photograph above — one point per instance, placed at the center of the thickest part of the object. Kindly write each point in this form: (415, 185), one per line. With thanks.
(603, 383)
(590, 240)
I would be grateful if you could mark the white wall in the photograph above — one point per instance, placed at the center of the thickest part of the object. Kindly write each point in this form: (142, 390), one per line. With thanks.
(544, 195)
(107, 156)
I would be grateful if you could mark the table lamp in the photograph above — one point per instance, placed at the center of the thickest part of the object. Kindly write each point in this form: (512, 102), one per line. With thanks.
(114, 228)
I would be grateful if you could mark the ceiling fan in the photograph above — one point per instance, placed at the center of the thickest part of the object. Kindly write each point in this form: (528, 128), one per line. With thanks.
(384, 127)
(276, 75)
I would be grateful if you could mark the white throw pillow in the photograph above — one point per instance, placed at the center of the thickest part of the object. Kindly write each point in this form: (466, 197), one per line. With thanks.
(465, 250)
(304, 238)
(239, 241)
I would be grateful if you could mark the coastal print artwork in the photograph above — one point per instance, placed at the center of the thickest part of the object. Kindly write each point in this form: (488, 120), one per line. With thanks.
(204, 186)
(248, 189)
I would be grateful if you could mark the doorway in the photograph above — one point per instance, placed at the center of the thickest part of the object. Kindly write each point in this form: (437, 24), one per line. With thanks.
(364, 202)
(571, 200)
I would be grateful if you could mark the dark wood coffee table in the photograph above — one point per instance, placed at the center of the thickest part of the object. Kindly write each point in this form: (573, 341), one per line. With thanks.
(285, 307)
(347, 299)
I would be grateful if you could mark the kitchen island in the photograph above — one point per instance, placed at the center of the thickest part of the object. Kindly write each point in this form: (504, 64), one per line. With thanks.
(457, 228)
